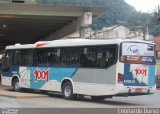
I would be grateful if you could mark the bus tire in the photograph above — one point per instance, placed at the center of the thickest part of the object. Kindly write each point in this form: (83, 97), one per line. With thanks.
(67, 91)
(98, 98)
(16, 85)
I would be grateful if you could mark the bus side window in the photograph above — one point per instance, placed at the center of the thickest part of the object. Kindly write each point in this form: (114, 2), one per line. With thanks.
(102, 59)
(27, 57)
(83, 60)
(91, 56)
(70, 57)
(41, 57)
(17, 57)
(54, 58)
(106, 56)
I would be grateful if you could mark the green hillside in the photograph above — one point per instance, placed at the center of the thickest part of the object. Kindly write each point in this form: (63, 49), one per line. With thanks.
(116, 11)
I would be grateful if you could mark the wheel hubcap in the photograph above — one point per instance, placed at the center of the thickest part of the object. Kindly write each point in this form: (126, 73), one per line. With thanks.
(17, 85)
(67, 91)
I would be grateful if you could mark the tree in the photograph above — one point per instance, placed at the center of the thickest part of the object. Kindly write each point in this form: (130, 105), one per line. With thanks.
(116, 10)
(155, 24)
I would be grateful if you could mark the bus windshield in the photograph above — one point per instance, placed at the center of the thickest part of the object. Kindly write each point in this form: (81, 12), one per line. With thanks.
(137, 53)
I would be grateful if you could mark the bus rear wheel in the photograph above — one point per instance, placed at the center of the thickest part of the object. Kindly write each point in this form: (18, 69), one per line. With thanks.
(67, 91)
(16, 85)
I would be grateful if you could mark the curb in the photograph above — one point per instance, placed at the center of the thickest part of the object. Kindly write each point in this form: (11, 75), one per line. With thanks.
(20, 95)
(23, 97)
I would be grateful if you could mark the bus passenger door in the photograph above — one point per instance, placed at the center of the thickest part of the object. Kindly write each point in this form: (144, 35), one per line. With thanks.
(6, 68)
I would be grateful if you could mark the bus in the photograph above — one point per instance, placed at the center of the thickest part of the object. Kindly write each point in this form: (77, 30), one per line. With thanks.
(97, 68)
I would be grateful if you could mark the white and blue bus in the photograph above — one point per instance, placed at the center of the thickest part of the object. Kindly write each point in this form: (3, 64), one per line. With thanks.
(96, 68)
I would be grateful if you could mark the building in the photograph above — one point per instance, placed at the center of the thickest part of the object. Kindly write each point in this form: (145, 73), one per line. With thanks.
(156, 40)
(88, 34)
(112, 32)
(139, 35)
(121, 32)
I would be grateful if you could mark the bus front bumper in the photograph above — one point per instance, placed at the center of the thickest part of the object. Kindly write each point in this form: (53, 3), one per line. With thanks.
(6, 81)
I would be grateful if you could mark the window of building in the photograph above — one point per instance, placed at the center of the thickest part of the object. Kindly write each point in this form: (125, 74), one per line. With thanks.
(158, 55)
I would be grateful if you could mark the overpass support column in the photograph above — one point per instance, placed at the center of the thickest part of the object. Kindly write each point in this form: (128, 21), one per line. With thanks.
(76, 25)
(82, 32)
(86, 20)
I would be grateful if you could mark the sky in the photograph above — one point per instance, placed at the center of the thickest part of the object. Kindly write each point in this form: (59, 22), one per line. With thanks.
(144, 5)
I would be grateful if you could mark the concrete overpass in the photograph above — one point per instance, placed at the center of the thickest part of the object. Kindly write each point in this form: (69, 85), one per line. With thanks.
(28, 23)
(158, 19)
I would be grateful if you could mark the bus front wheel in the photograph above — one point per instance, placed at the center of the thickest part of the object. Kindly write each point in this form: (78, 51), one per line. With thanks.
(67, 91)
(16, 85)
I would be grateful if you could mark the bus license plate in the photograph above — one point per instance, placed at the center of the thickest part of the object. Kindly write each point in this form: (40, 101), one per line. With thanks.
(138, 90)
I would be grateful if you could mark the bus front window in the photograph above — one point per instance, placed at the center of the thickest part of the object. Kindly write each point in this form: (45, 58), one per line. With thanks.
(7, 61)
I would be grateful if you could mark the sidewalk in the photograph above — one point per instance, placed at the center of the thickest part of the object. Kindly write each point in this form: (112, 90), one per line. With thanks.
(8, 92)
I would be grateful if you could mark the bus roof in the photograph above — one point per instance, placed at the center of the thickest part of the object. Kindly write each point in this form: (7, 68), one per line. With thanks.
(72, 42)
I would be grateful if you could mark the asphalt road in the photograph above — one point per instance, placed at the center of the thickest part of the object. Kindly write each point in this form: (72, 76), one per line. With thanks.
(56, 101)
(55, 104)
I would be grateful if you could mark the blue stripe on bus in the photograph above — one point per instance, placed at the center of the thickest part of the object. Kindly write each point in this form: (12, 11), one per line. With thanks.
(13, 71)
(57, 74)
(151, 76)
